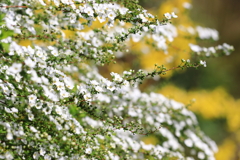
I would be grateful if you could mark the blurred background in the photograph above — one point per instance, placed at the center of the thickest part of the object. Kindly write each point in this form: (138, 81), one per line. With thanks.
(215, 89)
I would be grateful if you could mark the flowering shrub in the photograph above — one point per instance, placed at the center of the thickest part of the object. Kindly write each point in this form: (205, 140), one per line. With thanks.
(56, 105)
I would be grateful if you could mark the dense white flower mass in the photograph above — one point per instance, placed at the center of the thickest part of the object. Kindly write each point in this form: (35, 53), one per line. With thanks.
(55, 104)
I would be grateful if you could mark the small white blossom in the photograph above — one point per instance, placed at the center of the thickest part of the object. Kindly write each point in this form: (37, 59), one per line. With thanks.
(30, 116)
(111, 15)
(195, 48)
(101, 18)
(116, 77)
(33, 129)
(14, 110)
(64, 94)
(174, 15)
(15, 68)
(168, 15)
(99, 89)
(87, 97)
(89, 11)
(111, 86)
(88, 151)
(204, 63)
(64, 138)
(8, 156)
(42, 151)
(29, 12)
(42, 2)
(32, 99)
(188, 142)
(201, 155)
(36, 155)
(9, 135)
(29, 62)
(94, 82)
(59, 110)
(144, 19)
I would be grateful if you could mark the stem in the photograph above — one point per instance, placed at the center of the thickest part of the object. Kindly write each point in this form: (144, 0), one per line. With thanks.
(14, 6)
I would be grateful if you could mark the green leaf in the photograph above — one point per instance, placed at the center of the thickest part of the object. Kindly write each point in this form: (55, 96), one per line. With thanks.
(4, 47)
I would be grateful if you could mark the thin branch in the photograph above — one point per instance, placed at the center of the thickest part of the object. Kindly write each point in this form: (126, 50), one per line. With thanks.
(14, 6)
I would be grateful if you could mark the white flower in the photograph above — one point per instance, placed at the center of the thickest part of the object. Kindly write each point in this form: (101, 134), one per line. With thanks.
(64, 138)
(29, 62)
(5, 89)
(29, 12)
(203, 63)
(6, 40)
(32, 99)
(9, 135)
(30, 116)
(15, 68)
(227, 48)
(89, 11)
(201, 155)
(116, 77)
(35, 155)
(60, 86)
(99, 8)
(14, 110)
(82, 88)
(18, 77)
(123, 10)
(110, 86)
(8, 156)
(101, 18)
(87, 97)
(111, 15)
(168, 15)
(42, 3)
(73, 18)
(38, 105)
(195, 48)
(64, 94)
(88, 151)
(211, 50)
(42, 151)
(96, 42)
(33, 129)
(8, 110)
(94, 82)
(55, 80)
(54, 52)
(99, 89)
(132, 112)
(47, 157)
(69, 83)
(147, 147)
(188, 142)
(174, 15)
(39, 53)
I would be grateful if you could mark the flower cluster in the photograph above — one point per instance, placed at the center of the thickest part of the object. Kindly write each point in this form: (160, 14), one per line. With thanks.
(224, 49)
(56, 105)
(170, 16)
